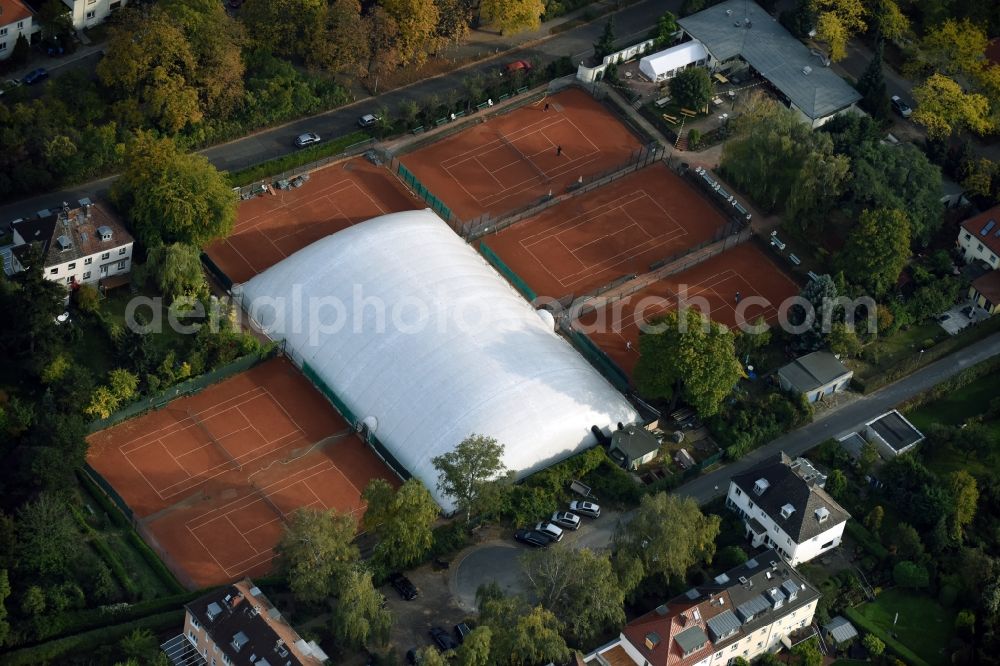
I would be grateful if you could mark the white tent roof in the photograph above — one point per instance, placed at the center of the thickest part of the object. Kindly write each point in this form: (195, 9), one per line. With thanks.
(480, 360)
(682, 55)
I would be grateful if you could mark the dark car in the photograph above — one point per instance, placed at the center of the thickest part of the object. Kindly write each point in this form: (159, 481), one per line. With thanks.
(461, 631)
(901, 107)
(36, 76)
(368, 120)
(532, 538)
(404, 586)
(443, 639)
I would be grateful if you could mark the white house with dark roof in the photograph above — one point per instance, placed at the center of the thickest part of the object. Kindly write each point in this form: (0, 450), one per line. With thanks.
(783, 510)
(759, 606)
(740, 31)
(815, 375)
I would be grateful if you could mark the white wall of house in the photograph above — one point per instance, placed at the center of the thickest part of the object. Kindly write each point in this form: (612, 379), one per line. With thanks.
(9, 33)
(818, 393)
(795, 553)
(92, 268)
(589, 74)
(87, 13)
(973, 248)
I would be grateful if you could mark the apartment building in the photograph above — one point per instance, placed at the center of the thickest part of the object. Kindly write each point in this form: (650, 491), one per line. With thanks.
(15, 20)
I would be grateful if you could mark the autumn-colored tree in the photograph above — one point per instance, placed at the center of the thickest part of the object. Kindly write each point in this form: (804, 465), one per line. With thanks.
(873, 521)
(889, 21)
(177, 270)
(511, 16)
(454, 17)
(965, 495)
(877, 250)
(838, 21)
(953, 48)
(289, 28)
(416, 22)
(943, 107)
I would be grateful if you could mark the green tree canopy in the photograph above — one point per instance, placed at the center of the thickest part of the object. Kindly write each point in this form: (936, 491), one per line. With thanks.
(177, 270)
(287, 28)
(688, 357)
(692, 88)
(520, 635)
(663, 33)
(401, 520)
(965, 495)
(943, 107)
(467, 473)
(873, 644)
(606, 44)
(475, 649)
(47, 539)
(173, 197)
(911, 575)
(316, 552)
(871, 85)
(877, 250)
(359, 617)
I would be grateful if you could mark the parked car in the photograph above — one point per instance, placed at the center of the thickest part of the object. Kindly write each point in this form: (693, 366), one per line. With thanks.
(443, 639)
(583, 508)
(411, 656)
(36, 76)
(368, 120)
(532, 538)
(901, 107)
(517, 66)
(461, 631)
(404, 586)
(553, 532)
(307, 139)
(566, 520)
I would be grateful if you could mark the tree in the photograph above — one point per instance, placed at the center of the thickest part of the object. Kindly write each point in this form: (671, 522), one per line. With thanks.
(730, 557)
(871, 85)
(402, 520)
(877, 250)
(33, 601)
(606, 44)
(31, 303)
(911, 575)
(873, 644)
(287, 28)
(19, 55)
(4, 594)
(838, 21)
(521, 635)
(140, 645)
(86, 298)
(177, 270)
(381, 31)
(663, 33)
(416, 21)
(873, 521)
(173, 197)
(429, 656)
(953, 48)
(943, 108)
(844, 340)
(121, 388)
(836, 484)
(868, 457)
(965, 494)
(316, 552)
(475, 649)
(692, 88)
(808, 652)
(667, 536)
(688, 357)
(511, 16)
(965, 623)
(579, 586)
(47, 540)
(466, 473)
(889, 21)
(359, 617)
(454, 17)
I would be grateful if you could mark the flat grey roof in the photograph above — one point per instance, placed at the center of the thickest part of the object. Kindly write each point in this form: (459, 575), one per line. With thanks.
(896, 430)
(840, 629)
(691, 639)
(723, 624)
(774, 52)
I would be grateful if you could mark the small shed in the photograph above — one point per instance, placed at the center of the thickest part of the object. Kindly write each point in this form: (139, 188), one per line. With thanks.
(840, 631)
(893, 434)
(815, 375)
(666, 64)
(637, 446)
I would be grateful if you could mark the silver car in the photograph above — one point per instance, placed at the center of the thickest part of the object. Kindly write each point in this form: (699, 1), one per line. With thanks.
(566, 520)
(585, 508)
(551, 531)
(307, 139)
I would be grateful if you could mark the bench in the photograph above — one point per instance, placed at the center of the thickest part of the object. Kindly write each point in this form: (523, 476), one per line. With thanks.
(795, 260)
(689, 113)
(813, 276)
(662, 102)
(670, 119)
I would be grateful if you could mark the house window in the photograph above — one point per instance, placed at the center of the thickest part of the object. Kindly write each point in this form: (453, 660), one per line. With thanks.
(105, 255)
(69, 280)
(72, 266)
(760, 644)
(122, 250)
(3, 32)
(86, 276)
(3, 46)
(88, 261)
(993, 258)
(192, 637)
(104, 270)
(121, 265)
(54, 271)
(91, 14)
(980, 247)
(194, 623)
(20, 25)
(826, 545)
(738, 492)
(789, 540)
(968, 236)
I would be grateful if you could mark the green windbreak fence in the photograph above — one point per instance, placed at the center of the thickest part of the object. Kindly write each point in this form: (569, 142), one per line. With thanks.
(94, 476)
(330, 395)
(611, 371)
(507, 272)
(411, 181)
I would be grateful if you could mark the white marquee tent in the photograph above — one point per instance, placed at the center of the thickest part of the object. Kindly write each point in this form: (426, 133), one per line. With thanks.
(427, 344)
(665, 64)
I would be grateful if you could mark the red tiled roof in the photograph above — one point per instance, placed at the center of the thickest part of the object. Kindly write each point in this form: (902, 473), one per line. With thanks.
(974, 225)
(12, 11)
(666, 626)
(989, 286)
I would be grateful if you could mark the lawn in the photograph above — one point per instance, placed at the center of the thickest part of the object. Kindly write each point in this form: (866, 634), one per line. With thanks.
(923, 626)
(956, 408)
(896, 349)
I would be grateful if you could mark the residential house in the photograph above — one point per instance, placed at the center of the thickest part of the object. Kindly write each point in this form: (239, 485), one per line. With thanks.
(892, 434)
(783, 510)
(759, 606)
(984, 291)
(83, 245)
(979, 238)
(632, 446)
(237, 625)
(739, 33)
(815, 375)
(15, 19)
(88, 13)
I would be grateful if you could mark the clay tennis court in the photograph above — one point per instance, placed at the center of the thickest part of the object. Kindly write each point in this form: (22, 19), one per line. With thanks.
(270, 227)
(514, 159)
(621, 228)
(211, 477)
(710, 287)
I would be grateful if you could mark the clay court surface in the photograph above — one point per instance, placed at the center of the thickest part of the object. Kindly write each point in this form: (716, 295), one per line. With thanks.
(211, 477)
(272, 226)
(710, 287)
(511, 160)
(621, 228)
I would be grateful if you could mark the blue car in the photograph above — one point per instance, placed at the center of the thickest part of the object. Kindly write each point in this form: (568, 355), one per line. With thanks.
(36, 76)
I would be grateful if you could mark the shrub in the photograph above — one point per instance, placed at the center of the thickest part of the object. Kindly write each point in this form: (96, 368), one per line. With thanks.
(449, 539)
(694, 137)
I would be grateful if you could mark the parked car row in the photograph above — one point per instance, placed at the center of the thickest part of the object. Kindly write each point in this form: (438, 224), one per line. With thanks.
(551, 531)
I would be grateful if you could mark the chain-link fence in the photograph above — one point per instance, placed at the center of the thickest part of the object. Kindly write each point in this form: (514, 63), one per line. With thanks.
(418, 188)
(258, 187)
(600, 360)
(507, 272)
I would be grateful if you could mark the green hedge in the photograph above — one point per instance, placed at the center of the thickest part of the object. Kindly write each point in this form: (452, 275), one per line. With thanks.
(110, 557)
(109, 507)
(901, 650)
(866, 539)
(80, 644)
(299, 158)
(945, 388)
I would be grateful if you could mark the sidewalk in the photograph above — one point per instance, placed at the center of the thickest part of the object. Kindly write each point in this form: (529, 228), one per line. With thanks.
(37, 59)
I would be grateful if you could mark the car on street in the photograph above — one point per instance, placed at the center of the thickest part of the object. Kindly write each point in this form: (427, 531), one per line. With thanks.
(461, 631)
(307, 139)
(404, 586)
(532, 538)
(368, 120)
(582, 508)
(36, 76)
(443, 639)
(512, 68)
(553, 532)
(566, 520)
(901, 107)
